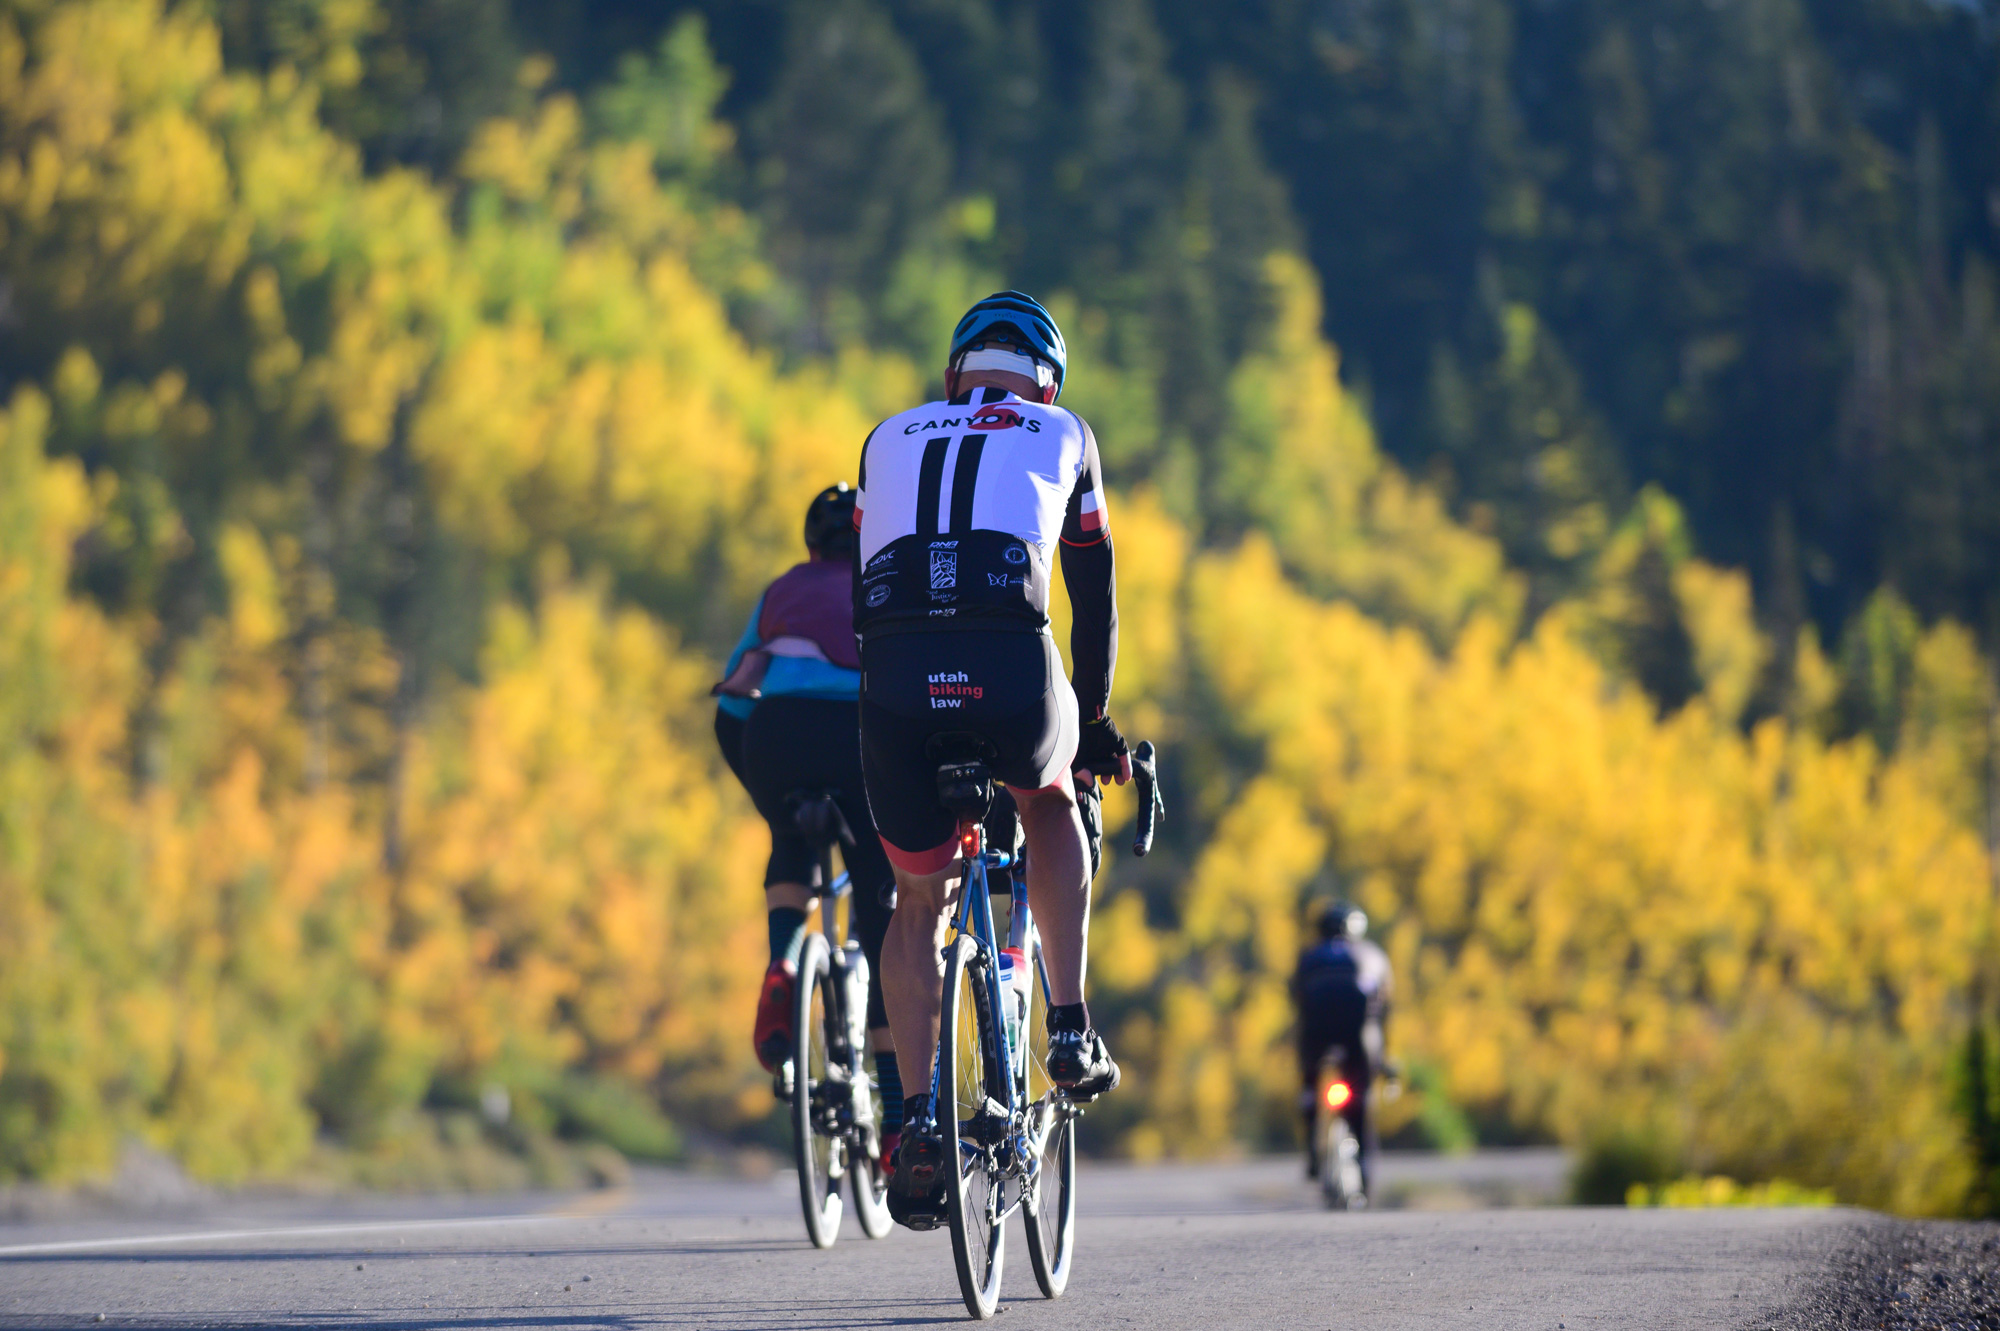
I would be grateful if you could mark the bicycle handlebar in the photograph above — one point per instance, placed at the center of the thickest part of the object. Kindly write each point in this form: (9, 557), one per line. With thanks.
(1145, 770)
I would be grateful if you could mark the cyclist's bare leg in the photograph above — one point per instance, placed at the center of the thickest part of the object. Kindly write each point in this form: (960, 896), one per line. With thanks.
(1058, 885)
(913, 970)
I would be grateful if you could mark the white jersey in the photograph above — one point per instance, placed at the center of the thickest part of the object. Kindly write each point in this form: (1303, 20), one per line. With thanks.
(962, 505)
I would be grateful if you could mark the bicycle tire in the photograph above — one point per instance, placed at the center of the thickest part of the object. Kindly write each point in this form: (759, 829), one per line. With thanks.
(871, 1186)
(967, 1043)
(871, 1200)
(1340, 1178)
(817, 1157)
(1048, 1209)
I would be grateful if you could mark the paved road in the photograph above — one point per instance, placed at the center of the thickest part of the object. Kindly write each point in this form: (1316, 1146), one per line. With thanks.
(1221, 1246)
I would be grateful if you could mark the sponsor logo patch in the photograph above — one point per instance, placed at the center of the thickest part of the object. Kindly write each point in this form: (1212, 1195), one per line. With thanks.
(994, 418)
(878, 594)
(944, 569)
(1016, 554)
(951, 688)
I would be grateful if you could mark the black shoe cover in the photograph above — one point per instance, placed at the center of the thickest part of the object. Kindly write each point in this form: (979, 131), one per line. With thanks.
(1081, 1065)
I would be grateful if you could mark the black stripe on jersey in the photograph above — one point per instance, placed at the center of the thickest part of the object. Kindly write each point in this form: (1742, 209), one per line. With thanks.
(930, 483)
(989, 395)
(964, 477)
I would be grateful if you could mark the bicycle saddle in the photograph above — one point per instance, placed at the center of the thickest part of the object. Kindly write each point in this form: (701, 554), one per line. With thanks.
(818, 817)
(964, 779)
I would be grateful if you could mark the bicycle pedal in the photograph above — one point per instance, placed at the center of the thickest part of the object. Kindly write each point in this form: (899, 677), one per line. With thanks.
(922, 1214)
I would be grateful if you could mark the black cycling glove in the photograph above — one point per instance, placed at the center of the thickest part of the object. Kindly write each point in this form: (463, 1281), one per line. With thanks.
(1090, 807)
(1100, 746)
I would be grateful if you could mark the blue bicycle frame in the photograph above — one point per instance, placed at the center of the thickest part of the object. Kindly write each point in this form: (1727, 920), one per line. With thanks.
(974, 920)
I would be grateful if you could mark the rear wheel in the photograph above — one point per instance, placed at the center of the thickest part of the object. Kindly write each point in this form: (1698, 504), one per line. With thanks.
(871, 1197)
(820, 1157)
(1049, 1205)
(1340, 1164)
(968, 1049)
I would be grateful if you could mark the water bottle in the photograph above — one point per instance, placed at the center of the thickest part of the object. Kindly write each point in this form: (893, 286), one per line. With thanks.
(856, 966)
(1014, 998)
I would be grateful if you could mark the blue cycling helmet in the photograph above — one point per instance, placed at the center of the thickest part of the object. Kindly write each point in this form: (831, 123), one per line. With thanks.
(1022, 313)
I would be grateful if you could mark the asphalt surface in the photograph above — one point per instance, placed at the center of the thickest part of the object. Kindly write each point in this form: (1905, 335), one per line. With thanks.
(1217, 1246)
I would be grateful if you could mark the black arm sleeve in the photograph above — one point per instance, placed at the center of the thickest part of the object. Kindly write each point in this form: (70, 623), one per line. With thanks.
(1090, 575)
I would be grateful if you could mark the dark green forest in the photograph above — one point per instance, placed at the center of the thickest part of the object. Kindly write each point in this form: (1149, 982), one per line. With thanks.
(1742, 250)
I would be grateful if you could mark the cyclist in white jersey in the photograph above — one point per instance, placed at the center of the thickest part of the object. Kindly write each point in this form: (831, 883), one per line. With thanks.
(965, 505)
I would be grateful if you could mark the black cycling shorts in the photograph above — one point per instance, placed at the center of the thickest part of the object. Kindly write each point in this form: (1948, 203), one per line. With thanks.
(1004, 685)
(793, 744)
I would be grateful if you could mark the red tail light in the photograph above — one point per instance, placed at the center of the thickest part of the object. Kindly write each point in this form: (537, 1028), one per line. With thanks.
(1338, 1093)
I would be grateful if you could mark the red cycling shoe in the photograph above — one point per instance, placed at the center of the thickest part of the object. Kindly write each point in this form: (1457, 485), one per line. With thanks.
(773, 1035)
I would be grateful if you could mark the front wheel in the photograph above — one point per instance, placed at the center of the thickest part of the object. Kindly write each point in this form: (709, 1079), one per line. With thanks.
(969, 1054)
(819, 1156)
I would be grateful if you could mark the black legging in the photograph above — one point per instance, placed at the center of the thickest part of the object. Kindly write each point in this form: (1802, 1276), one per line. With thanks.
(792, 744)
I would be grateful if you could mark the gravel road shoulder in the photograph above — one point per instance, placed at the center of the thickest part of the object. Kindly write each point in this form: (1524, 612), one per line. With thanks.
(1901, 1275)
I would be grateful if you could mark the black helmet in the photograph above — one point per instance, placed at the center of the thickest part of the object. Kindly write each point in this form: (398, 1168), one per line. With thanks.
(1343, 919)
(830, 522)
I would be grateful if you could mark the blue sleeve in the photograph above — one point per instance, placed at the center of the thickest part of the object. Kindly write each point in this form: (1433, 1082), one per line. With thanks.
(740, 708)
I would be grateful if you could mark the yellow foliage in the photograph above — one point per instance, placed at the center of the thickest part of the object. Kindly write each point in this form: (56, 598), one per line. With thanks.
(1595, 915)
(232, 952)
(1721, 1190)
(1302, 463)
(1728, 650)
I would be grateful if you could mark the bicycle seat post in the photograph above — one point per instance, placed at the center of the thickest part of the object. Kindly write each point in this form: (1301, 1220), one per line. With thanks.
(816, 814)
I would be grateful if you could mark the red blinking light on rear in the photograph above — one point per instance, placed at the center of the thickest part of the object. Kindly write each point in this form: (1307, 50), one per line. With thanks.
(1338, 1093)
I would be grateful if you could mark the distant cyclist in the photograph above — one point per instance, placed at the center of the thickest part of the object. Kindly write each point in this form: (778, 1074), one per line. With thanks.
(786, 722)
(965, 504)
(1342, 990)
